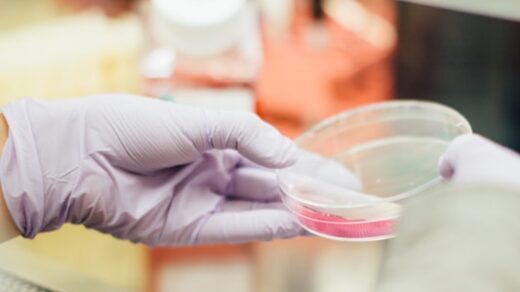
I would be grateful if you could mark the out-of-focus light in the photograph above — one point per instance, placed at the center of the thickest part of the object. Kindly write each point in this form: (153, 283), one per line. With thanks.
(506, 9)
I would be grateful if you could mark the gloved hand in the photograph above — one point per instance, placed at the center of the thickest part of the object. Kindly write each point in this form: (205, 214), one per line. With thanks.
(474, 159)
(144, 170)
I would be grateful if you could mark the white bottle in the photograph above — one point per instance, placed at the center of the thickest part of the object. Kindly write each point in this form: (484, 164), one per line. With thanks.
(202, 52)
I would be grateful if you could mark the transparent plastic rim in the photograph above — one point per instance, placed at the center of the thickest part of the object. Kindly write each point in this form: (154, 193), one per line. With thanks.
(429, 184)
(368, 108)
(349, 239)
(299, 215)
(328, 122)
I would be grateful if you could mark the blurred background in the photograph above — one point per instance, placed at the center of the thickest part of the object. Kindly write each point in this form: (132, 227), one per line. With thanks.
(294, 62)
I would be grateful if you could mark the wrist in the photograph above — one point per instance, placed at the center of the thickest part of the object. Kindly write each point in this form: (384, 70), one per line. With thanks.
(8, 229)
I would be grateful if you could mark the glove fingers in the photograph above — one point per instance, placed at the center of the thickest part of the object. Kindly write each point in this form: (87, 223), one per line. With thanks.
(254, 183)
(474, 159)
(250, 225)
(326, 170)
(449, 159)
(146, 135)
(466, 148)
(244, 206)
(253, 138)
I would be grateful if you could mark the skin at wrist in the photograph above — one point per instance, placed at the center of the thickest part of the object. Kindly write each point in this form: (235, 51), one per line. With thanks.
(8, 229)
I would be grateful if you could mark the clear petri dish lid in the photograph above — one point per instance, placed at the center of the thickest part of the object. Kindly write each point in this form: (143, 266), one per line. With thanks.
(377, 154)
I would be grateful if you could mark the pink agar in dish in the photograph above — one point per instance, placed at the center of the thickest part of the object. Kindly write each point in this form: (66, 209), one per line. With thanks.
(346, 228)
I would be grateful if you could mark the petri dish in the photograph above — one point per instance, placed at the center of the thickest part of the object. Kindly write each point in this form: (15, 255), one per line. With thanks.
(359, 166)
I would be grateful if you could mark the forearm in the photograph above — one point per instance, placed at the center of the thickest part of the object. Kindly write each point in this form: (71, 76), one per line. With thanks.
(7, 228)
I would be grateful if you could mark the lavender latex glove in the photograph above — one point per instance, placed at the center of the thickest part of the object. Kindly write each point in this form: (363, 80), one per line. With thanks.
(144, 170)
(474, 159)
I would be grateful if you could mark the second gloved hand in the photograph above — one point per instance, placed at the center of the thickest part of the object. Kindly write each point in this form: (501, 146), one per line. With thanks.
(144, 170)
(474, 159)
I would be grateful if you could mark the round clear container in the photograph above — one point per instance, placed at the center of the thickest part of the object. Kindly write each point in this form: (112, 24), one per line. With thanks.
(360, 165)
